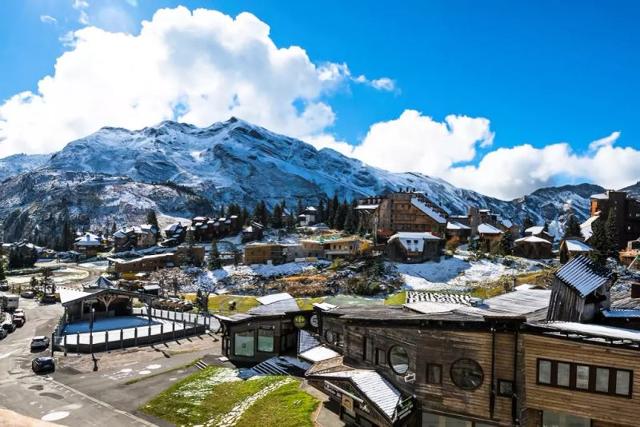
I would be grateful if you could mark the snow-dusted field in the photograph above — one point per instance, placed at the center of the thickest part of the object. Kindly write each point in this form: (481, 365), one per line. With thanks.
(458, 272)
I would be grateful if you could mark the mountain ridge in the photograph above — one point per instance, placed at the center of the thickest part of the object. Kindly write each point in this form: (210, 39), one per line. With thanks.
(231, 161)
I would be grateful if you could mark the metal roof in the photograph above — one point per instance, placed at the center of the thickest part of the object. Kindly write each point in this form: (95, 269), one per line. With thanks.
(583, 275)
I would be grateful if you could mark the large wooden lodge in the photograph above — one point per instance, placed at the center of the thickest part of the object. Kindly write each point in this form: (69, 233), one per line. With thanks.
(451, 360)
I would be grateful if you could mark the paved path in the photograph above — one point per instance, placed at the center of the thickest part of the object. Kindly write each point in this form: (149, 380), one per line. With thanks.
(42, 397)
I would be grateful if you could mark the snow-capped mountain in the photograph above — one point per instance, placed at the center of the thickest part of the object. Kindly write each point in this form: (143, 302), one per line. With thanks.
(19, 163)
(181, 170)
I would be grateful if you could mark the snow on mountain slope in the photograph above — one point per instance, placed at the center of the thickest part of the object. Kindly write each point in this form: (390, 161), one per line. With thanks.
(232, 161)
(19, 163)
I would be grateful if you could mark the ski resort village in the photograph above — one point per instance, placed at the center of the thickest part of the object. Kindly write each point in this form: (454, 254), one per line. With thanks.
(387, 310)
(241, 213)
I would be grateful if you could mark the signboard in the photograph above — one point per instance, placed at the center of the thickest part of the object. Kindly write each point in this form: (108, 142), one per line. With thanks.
(300, 321)
(347, 403)
(314, 320)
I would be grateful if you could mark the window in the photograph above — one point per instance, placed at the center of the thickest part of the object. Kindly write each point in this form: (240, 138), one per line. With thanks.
(367, 349)
(602, 380)
(244, 343)
(563, 374)
(623, 382)
(266, 339)
(434, 373)
(466, 374)
(544, 371)
(553, 419)
(381, 357)
(505, 388)
(398, 360)
(582, 377)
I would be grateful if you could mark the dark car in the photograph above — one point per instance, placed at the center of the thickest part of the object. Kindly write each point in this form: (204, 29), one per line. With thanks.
(18, 321)
(39, 343)
(9, 327)
(43, 365)
(48, 299)
(4, 286)
(28, 294)
(3, 333)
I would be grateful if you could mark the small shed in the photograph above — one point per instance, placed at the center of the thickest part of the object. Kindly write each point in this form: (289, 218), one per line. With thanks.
(532, 247)
(413, 247)
(571, 248)
(580, 290)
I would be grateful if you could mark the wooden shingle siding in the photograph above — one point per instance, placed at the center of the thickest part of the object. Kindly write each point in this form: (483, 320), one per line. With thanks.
(598, 406)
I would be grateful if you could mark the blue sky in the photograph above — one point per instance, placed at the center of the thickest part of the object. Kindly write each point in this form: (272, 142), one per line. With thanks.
(541, 72)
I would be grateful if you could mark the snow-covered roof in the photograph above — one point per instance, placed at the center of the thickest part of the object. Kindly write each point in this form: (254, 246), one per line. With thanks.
(67, 295)
(585, 227)
(310, 209)
(600, 196)
(318, 354)
(485, 228)
(506, 222)
(532, 239)
(413, 241)
(428, 211)
(453, 225)
(577, 246)
(270, 299)
(88, 240)
(367, 207)
(370, 383)
(173, 227)
(536, 229)
(583, 275)
(595, 330)
(324, 306)
(120, 234)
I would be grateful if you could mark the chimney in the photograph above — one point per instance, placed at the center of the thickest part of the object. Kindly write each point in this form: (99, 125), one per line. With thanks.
(635, 289)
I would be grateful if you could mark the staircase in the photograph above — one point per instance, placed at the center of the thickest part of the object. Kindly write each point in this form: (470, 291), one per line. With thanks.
(201, 364)
(269, 367)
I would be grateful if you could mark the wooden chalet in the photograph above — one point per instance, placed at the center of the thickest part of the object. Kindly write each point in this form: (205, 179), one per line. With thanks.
(532, 247)
(408, 247)
(254, 231)
(540, 232)
(571, 248)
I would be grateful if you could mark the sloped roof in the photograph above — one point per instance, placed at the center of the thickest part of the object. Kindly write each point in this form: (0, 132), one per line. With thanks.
(270, 299)
(453, 225)
(428, 211)
(88, 240)
(485, 228)
(594, 330)
(318, 354)
(532, 239)
(536, 229)
(583, 275)
(371, 384)
(413, 241)
(577, 246)
(585, 227)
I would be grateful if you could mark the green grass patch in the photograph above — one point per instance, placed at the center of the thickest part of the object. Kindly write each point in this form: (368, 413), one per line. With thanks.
(396, 299)
(288, 406)
(220, 303)
(307, 303)
(213, 392)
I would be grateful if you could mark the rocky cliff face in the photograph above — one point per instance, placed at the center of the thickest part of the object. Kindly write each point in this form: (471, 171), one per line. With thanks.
(181, 170)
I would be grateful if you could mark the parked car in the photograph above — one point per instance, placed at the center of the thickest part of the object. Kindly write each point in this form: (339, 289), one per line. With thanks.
(3, 333)
(43, 365)
(48, 299)
(28, 294)
(20, 312)
(4, 286)
(39, 343)
(18, 321)
(8, 326)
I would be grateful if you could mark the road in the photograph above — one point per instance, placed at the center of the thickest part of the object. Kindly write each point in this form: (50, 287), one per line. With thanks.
(43, 397)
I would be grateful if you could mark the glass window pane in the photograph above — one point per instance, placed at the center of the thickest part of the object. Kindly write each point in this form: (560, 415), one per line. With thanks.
(582, 377)
(266, 340)
(623, 381)
(552, 419)
(563, 377)
(602, 380)
(243, 344)
(434, 374)
(467, 374)
(544, 372)
(399, 359)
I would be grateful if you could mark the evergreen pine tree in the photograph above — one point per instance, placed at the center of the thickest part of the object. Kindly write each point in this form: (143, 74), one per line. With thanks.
(527, 223)
(321, 217)
(351, 220)
(2, 274)
(572, 228)
(340, 215)
(152, 219)
(505, 245)
(612, 234)
(214, 257)
(599, 242)
(244, 216)
(276, 218)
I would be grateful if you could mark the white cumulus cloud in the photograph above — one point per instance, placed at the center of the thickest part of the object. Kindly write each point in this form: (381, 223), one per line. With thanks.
(198, 67)
(46, 19)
